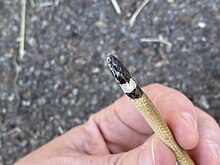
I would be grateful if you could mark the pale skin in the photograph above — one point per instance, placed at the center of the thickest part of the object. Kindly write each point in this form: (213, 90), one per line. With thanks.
(119, 135)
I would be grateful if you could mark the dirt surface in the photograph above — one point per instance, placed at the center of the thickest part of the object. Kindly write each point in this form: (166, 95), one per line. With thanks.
(63, 77)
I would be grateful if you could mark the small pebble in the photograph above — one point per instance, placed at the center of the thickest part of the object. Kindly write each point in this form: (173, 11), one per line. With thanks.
(26, 103)
(11, 97)
(32, 41)
(4, 110)
(72, 101)
(68, 27)
(159, 64)
(75, 91)
(203, 102)
(170, 1)
(201, 25)
(77, 120)
(42, 101)
(64, 101)
(95, 70)
(69, 112)
(23, 143)
(63, 59)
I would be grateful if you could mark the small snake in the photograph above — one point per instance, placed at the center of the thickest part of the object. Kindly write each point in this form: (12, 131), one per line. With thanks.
(146, 108)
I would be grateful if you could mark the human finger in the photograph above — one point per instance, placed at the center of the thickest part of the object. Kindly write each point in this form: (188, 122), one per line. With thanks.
(152, 152)
(208, 149)
(121, 121)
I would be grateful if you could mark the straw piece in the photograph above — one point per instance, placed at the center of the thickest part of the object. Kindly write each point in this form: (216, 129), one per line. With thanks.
(137, 12)
(116, 6)
(159, 39)
(22, 29)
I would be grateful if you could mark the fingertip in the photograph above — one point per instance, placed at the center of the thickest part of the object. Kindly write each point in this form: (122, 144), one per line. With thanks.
(156, 152)
(208, 149)
(186, 136)
(178, 111)
(163, 155)
(184, 127)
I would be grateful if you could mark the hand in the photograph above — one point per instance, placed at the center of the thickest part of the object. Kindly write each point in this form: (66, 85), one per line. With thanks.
(119, 135)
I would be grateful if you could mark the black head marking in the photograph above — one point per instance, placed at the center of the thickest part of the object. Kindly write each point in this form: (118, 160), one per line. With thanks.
(118, 70)
(122, 75)
(136, 93)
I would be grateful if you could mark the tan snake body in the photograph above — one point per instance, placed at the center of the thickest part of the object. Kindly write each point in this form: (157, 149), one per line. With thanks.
(147, 109)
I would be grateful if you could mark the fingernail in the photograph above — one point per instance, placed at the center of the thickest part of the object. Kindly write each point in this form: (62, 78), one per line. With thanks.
(152, 151)
(155, 153)
(147, 154)
(189, 119)
(215, 149)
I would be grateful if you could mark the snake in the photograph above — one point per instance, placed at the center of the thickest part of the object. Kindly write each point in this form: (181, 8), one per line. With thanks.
(146, 108)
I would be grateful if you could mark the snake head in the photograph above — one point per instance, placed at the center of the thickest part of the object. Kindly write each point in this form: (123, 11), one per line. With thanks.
(123, 77)
(118, 70)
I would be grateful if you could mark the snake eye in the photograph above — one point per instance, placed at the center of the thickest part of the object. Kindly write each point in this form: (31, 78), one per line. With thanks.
(121, 80)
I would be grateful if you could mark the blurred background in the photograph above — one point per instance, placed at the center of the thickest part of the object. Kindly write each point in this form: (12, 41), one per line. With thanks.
(62, 78)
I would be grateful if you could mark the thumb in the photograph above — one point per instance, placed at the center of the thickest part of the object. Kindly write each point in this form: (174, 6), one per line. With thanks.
(152, 152)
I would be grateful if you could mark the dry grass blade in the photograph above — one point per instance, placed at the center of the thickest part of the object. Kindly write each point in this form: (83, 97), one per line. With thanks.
(32, 3)
(46, 4)
(15, 130)
(22, 29)
(159, 39)
(163, 56)
(137, 11)
(116, 6)
(162, 42)
(56, 2)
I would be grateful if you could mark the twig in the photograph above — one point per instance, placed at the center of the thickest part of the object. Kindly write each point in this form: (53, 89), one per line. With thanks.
(16, 77)
(159, 39)
(22, 29)
(46, 4)
(12, 131)
(217, 95)
(57, 2)
(137, 11)
(5, 124)
(57, 124)
(32, 3)
(162, 41)
(116, 6)
(170, 1)
(163, 55)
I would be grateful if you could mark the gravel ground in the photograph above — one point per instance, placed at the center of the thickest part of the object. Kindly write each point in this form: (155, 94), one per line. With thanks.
(63, 77)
